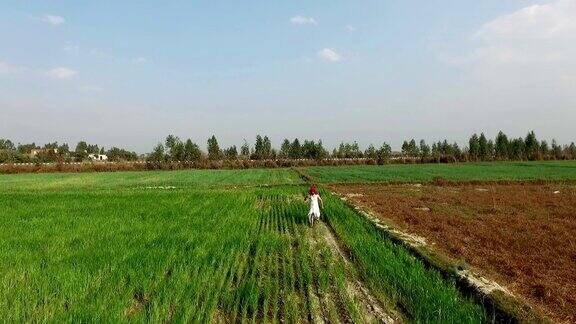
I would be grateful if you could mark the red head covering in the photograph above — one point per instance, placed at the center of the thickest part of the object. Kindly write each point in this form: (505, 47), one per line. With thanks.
(313, 190)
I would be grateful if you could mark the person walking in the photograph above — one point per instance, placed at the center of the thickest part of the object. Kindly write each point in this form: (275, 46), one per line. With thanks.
(315, 204)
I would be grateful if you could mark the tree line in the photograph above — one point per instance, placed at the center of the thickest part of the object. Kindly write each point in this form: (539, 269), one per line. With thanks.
(479, 148)
(54, 152)
(173, 149)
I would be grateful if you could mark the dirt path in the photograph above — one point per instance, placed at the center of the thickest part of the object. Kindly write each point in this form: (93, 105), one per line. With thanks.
(372, 310)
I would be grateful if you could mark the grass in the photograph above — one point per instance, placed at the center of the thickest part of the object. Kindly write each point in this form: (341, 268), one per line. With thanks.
(488, 171)
(203, 251)
(186, 255)
(393, 273)
(180, 179)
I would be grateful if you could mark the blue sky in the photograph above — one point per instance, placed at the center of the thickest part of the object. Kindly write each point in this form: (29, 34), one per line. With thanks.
(130, 72)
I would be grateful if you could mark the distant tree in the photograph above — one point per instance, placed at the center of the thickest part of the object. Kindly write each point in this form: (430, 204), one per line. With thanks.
(410, 149)
(456, 151)
(313, 150)
(384, 153)
(175, 148)
(93, 149)
(214, 152)
(413, 148)
(405, 148)
(483, 147)
(63, 149)
(285, 149)
(26, 148)
(231, 153)
(322, 153)
(170, 141)
(370, 152)
(117, 154)
(516, 149)
(448, 151)
(192, 151)
(424, 150)
(51, 146)
(544, 151)
(81, 151)
(490, 147)
(571, 151)
(6, 144)
(267, 147)
(531, 146)
(556, 150)
(9, 153)
(295, 149)
(349, 151)
(501, 146)
(474, 147)
(245, 149)
(259, 148)
(355, 151)
(178, 152)
(157, 154)
(436, 152)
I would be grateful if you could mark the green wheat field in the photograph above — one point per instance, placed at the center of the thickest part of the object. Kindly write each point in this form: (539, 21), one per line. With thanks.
(215, 246)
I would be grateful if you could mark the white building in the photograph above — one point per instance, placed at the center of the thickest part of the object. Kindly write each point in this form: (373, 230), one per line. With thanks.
(97, 157)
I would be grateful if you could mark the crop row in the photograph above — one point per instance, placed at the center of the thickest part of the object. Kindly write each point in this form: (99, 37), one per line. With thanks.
(202, 255)
(224, 255)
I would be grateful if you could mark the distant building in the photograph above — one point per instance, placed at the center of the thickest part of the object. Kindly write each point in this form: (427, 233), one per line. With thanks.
(36, 152)
(98, 157)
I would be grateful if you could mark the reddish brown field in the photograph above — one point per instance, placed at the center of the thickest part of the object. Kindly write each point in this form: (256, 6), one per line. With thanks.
(521, 235)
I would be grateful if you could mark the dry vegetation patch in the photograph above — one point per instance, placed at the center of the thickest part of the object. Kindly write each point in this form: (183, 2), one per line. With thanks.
(522, 235)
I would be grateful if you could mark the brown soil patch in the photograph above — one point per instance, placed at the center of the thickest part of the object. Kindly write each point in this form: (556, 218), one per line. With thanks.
(523, 236)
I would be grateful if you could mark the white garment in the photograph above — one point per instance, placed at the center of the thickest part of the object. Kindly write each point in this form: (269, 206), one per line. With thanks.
(314, 207)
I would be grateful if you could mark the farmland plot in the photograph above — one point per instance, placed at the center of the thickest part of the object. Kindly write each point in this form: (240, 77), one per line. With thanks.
(521, 235)
(487, 171)
(148, 179)
(218, 254)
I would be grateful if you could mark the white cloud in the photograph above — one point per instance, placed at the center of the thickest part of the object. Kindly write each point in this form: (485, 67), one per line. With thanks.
(329, 55)
(534, 34)
(350, 28)
(552, 20)
(301, 20)
(520, 65)
(139, 60)
(61, 73)
(53, 20)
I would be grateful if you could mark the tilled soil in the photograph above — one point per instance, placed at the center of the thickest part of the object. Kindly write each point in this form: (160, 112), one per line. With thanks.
(521, 235)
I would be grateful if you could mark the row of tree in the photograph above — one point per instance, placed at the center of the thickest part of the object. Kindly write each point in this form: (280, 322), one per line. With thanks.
(479, 148)
(54, 152)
